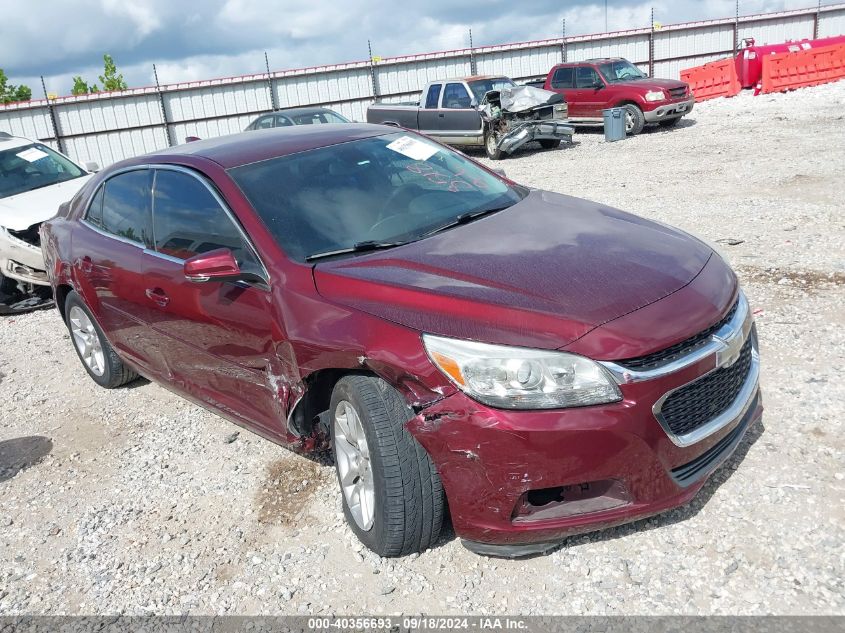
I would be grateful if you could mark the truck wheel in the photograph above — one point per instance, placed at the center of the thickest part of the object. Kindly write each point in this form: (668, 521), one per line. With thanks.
(550, 143)
(491, 147)
(634, 120)
(392, 496)
(97, 356)
(670, 122)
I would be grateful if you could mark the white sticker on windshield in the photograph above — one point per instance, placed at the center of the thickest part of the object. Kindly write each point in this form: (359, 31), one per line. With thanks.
(32, 154)
(412, 148)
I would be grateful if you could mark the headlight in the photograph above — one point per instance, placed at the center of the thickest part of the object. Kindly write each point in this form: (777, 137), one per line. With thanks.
(520, 378)
(655, 95)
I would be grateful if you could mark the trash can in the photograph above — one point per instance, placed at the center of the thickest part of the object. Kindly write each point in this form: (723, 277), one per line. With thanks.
(614, 124)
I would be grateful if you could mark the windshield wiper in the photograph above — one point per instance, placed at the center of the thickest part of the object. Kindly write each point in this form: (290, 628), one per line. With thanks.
(463, 218)
(358, 247)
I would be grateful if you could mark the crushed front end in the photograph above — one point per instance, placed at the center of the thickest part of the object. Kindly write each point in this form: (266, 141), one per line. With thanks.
(518, 115)
(23, 281)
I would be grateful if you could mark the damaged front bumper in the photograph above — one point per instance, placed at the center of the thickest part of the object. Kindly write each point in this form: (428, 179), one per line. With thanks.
(24, 285)
(535, 131)
(520, 482)
(20, 259)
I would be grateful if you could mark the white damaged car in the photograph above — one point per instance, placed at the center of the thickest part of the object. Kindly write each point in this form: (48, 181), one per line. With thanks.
(34, 181)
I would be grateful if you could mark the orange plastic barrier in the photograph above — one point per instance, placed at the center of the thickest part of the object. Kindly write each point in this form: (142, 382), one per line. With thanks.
(714, 79)
(811, 67)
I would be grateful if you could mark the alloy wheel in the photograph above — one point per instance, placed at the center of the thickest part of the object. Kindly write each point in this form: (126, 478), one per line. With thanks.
(353, 464)
(86, 340)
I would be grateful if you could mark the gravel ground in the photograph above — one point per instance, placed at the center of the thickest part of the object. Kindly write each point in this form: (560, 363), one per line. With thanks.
(135, 501)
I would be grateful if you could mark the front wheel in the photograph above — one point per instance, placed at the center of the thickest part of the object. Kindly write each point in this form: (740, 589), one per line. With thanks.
(550, 143)
(392, 496)
(634, 120)
(491, 146)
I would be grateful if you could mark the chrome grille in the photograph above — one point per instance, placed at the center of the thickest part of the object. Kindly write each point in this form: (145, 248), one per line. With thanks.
(702, 400)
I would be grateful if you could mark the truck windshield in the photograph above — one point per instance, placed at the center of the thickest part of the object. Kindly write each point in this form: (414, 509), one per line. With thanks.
(32, 167)
(621, 70)
(481, 87)
(394, 189)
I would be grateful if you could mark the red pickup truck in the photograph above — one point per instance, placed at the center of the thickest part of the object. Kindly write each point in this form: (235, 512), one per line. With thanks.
(596, 84)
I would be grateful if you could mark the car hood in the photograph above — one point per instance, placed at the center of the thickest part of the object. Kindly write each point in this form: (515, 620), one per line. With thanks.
(21, 211)
(542, 273)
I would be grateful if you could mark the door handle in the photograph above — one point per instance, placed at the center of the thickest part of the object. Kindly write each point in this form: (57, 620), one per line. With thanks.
(158, 296)
(441, 115)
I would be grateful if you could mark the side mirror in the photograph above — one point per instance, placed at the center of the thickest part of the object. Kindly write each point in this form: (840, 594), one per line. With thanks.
(92, 166)
(473, 103)
(191, 139)
(598, 85)
(216, 265)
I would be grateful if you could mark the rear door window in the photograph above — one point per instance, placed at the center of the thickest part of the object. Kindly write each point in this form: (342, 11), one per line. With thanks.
(433, 97)
(95, 209)
(563, 78)
(188, 220)
(126, 206)
(586, 77)
(283, 121)
(455, 96)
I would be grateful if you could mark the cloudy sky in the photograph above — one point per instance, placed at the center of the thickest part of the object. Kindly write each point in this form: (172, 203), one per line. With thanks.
(202, 39)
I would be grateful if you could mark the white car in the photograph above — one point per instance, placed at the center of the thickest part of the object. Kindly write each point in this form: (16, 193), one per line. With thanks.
(34, 181)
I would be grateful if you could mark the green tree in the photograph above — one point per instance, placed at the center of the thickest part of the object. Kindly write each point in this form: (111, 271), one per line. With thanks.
(110, 79)
(81, 87)
(10, 93)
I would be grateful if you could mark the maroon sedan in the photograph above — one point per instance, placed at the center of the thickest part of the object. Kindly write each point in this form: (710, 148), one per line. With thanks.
(545, 364)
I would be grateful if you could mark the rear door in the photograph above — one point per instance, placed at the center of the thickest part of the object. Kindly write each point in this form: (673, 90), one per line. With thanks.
(563, 82)
(108, 246)
(429, 114)
(216, 337)
(590, 92)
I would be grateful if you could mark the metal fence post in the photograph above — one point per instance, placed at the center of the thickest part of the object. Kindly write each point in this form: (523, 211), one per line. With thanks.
(273, 102)
(816, 19)
(563, 41)
(651, 46)
(373, 70)
(736, 28)
(473, 70)
(56, 133)
(167, 132)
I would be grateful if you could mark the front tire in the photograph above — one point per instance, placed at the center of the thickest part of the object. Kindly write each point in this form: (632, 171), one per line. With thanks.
(491, 146)
(549, 143)
(392, 495)
(98, 358)
(634, 120)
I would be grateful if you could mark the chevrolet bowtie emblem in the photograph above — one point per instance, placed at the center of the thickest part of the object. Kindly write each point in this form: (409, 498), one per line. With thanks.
(733, 347)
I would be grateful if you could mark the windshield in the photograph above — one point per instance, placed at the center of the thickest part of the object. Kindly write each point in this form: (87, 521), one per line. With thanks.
(394, 188)
(321, 116)
(32, 167)
(481, 87)
(621, 70)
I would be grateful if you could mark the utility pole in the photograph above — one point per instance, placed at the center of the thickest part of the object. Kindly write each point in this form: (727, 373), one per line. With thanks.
(605, 16)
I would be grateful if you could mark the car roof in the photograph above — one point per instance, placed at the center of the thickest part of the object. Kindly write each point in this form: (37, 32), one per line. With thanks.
(594, 60)
(470, 78)
(254, 146)
(7, 141)
(295, 111)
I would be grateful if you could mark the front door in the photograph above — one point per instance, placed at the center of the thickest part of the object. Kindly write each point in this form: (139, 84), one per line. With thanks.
(457, 120)
(218, 336)
(590, 93)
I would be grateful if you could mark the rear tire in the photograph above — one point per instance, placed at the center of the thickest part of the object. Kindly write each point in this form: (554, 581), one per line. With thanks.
(549, 143)
(634, 120)
(388, 467)
(669, 123)
(98, 358)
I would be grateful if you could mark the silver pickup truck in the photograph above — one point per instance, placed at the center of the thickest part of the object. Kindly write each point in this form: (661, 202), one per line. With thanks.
(492, 112)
